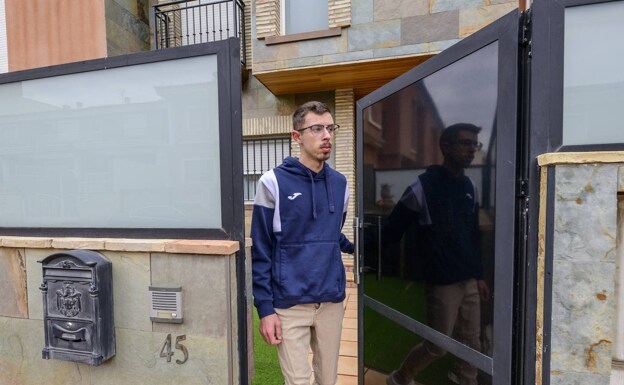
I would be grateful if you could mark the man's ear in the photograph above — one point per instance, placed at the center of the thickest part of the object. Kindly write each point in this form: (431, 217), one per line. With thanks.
(444, 147)
(296, 136)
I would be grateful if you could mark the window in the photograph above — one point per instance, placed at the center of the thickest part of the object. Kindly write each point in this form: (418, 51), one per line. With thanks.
(260, 156)
(593, 76)
(304, 16)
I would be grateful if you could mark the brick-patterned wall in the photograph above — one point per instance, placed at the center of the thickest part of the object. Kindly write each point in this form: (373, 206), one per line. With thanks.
(247, 16)
(339, 13)
(294, 149)
(269, 125)
(345, 149)
(267, 18)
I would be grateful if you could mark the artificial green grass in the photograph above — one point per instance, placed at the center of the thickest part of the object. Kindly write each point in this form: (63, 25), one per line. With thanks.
(266, 364)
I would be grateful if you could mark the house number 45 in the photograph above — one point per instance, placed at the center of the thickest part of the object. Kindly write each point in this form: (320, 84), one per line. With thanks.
(166, 349)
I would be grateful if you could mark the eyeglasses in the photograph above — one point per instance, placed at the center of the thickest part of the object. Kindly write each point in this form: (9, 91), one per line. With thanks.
(317, 129)
(470, 143)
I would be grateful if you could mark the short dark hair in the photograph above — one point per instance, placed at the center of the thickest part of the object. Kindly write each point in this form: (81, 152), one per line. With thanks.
(450, 133)
(318, 108)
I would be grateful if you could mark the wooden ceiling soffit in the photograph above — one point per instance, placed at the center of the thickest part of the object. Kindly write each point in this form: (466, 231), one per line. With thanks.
(362, 76)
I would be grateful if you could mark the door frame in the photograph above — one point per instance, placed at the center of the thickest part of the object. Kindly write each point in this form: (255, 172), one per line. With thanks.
(506, 31)
(544, 103)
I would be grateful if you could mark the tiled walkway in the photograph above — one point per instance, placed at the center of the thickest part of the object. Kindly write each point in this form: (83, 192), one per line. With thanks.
(348, 361)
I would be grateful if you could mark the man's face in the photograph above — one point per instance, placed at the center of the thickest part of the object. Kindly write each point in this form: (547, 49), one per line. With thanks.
(461, 151)
(314, 147)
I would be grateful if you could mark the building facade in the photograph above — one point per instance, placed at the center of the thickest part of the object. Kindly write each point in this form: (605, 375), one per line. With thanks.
(338, 52)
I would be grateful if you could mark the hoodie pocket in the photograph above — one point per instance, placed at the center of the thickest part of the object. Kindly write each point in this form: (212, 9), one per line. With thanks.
(310, 270)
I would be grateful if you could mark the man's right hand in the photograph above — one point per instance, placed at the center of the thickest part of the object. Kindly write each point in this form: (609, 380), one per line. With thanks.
(271, 329)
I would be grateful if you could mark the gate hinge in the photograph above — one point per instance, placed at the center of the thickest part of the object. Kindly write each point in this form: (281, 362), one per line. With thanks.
(525, 35)
(523, 188)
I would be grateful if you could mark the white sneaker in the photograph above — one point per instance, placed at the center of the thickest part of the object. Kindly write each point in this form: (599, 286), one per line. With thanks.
(390, 380)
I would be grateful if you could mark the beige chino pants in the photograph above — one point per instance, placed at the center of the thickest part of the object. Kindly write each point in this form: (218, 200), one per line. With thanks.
(315, 326)
(455, 311)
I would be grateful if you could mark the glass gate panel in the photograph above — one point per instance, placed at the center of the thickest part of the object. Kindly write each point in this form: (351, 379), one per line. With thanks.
(435, 167)
(403, 266)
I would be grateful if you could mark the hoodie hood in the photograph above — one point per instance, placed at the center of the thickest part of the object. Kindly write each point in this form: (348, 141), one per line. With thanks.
(294, 166)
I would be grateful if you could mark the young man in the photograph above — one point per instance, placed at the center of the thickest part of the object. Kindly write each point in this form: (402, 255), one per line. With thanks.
(443, 203)
(298, 275)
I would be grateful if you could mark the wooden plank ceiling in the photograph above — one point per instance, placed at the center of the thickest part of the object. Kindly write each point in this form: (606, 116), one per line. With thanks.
(363, 76)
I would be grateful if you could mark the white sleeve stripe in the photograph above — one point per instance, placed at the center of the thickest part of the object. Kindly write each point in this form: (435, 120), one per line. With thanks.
(273, 186)
(267, 195)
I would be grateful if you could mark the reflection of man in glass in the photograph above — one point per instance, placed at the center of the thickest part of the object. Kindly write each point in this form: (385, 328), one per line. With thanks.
(442, 203)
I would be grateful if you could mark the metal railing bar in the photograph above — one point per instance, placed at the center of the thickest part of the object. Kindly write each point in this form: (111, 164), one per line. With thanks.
(186, 22)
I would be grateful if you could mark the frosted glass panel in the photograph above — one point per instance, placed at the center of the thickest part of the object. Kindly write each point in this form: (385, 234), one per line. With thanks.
(130, 147)
(306, 16)
(593, 110)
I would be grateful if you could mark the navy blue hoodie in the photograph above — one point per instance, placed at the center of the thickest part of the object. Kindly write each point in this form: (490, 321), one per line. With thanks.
(445, 209)
(296, 231)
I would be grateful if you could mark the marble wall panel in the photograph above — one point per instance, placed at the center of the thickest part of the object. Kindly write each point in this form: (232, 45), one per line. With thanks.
(342, 57)
(21, 342)
(578, 379)
(397, 9)
(138, 361)
(583, 303)
(450, 5)
(127, 26)
(585, 212)
(305, 61)
(583, 316)
(130, 5)
(319, 47)
(375, 35)
(473, 19)
(429, 28)
(361, 11)
(131, 280)
(269, 53)
(34, 280)
(14, 299)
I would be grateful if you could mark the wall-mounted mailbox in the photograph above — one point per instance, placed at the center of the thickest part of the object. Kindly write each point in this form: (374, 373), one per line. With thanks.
(78, 307)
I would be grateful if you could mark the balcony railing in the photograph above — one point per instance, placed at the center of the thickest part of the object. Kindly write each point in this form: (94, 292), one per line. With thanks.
(187, 22)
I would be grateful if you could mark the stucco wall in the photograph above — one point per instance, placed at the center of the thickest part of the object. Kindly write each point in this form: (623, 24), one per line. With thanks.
(43, 33)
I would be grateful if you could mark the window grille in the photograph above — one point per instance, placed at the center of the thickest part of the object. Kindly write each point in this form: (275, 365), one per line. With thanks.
(260, 156)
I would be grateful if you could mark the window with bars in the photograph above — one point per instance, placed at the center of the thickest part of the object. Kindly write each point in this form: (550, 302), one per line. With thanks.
(259, 156)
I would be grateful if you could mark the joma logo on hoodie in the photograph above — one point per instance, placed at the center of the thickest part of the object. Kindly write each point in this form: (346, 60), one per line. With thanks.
(295, 195)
